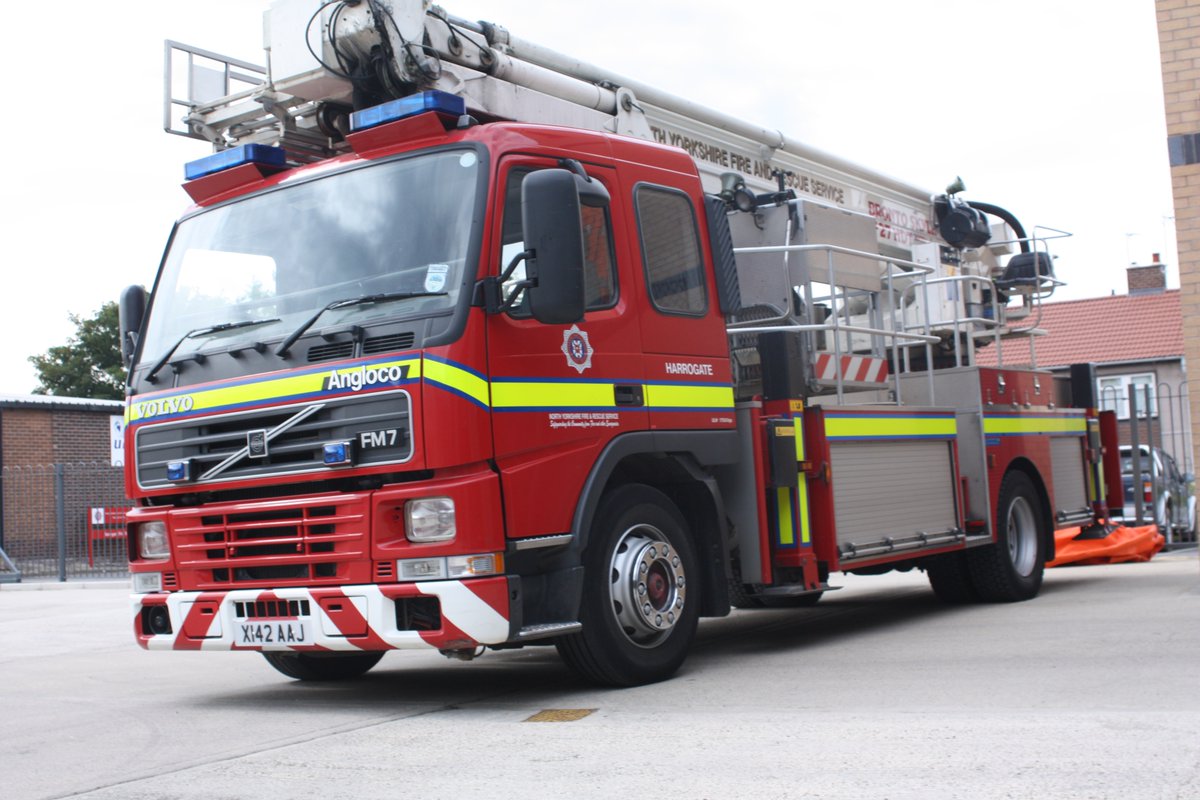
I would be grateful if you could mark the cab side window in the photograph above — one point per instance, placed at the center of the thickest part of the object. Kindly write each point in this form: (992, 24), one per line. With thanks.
(600, 271)
(671, 251)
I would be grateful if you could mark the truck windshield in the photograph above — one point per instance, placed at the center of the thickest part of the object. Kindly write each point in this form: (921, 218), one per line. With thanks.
(401, 226)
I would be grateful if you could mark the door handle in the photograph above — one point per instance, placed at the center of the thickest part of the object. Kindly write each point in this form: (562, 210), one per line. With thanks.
(628, 394)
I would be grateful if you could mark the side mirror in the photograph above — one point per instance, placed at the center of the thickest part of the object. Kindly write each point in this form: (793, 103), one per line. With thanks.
(551, 217)
(131, 312)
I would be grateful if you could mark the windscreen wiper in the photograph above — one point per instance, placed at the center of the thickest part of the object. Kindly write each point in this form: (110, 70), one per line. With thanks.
(383, 297)
(224, 326)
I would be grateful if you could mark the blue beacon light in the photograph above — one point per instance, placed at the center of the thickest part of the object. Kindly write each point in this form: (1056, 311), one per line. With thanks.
(445, 104)
(270, 158)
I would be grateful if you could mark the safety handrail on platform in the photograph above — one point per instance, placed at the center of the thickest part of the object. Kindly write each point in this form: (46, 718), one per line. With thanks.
(899, 337)
(957, 322)
(254, 76)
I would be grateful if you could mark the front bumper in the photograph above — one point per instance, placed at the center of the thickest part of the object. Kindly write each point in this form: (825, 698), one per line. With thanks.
(442, 615)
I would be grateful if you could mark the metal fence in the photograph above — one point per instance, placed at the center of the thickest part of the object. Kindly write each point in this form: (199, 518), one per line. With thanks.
(62, 522)
(1157, 415)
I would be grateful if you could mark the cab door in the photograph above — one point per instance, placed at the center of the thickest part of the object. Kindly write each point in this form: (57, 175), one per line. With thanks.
(561, 393)
(686, 360)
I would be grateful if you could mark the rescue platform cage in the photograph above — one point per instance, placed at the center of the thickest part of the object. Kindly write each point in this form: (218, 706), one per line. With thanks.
(845, 324)
(63, 522)
(1154, 414)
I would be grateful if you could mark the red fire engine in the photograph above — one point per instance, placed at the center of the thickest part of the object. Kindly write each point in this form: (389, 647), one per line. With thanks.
(466, 344)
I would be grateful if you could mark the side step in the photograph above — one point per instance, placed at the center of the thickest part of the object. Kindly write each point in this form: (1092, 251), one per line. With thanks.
(547, 630)
(793, 591)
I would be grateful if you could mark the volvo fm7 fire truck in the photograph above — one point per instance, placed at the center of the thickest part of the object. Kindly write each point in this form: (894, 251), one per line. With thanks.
(468, 345)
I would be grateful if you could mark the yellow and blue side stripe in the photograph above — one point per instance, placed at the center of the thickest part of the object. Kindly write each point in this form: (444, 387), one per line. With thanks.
(458, 379)
(996, 427)
(303, 384)
(500, 394)
(851, 426)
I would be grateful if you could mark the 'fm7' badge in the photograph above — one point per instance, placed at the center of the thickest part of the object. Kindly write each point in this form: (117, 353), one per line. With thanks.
(577, 349)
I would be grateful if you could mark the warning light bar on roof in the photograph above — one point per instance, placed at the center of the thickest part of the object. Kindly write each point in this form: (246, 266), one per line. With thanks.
(261, 154)
(445, 104)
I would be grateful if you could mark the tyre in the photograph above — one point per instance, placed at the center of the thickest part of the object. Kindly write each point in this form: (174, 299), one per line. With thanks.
(323, 666)
(950, 578)
(1011, 569)
(640, 606)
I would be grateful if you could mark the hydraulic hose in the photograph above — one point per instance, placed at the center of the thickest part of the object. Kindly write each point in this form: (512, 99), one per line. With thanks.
(1005, 215)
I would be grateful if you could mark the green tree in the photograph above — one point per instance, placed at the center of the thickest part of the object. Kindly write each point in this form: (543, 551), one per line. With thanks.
(89, 364)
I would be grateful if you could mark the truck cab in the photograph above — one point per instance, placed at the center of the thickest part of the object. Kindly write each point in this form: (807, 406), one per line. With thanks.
(346, 366)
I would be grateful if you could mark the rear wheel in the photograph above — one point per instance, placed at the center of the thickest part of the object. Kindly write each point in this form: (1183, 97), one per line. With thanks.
(950, 579)
(1011, 569)
(323, 666)
(639, 609)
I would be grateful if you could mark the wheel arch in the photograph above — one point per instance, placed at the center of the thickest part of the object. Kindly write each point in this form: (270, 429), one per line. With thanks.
(675, 463)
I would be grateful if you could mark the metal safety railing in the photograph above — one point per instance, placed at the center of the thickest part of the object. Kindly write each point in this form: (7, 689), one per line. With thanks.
(1156, 428)
(992, 325)
(193, 77)
(60, 522)
(895, 333)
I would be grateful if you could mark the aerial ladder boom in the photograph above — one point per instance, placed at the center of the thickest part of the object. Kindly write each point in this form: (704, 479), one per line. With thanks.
(872, 239)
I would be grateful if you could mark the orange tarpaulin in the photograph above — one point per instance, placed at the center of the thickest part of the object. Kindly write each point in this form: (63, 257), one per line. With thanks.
(1118, 545)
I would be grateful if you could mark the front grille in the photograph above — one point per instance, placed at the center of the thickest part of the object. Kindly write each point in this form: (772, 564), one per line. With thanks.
(317, 541)
(209, 442)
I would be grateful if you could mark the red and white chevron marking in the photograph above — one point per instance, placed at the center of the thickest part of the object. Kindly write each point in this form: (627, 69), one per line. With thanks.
(855, 369)
(346, 618)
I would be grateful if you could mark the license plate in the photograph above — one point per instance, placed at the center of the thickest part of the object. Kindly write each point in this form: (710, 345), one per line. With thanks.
(277, 633)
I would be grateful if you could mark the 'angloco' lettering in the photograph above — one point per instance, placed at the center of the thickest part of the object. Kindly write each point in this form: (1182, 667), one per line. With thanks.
(358, 377)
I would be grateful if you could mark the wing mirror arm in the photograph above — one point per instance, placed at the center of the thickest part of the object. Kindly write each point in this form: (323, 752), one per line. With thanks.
(492, 287)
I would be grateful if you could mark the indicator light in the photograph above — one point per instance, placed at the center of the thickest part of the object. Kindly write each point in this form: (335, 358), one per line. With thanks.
(179, 470)
(339, 453)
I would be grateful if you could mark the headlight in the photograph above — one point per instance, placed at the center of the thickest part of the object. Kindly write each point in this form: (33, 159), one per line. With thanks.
(430, 519)
(152, 540)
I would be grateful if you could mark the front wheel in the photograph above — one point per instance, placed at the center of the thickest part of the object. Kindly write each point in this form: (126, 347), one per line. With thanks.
(640, 606)
(322, 666)
(1011, 569)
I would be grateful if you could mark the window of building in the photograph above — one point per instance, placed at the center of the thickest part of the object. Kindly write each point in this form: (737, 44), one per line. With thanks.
(1115, 391)
(671, 251)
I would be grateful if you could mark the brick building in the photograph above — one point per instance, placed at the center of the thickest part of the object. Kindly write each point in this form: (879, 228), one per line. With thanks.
(38, 432)
(1179, 44)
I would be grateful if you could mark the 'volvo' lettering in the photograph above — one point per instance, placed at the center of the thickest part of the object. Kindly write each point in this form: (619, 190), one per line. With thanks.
(357, 378)
(159, 408)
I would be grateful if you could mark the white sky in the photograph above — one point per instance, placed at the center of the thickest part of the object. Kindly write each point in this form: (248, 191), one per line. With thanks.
(1050, 108)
